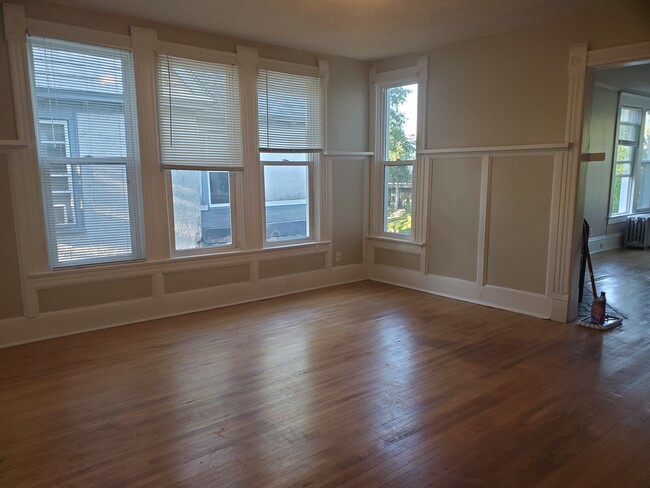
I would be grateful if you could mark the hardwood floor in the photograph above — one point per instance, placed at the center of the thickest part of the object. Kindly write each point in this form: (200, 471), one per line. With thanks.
(624, 275)
(360, 385)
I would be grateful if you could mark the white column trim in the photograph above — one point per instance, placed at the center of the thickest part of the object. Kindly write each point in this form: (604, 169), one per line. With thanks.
(24, 173)
(566, 236)
(154, 194)
(251, 230)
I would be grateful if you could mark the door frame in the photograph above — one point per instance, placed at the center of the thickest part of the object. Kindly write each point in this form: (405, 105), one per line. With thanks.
(569, 235)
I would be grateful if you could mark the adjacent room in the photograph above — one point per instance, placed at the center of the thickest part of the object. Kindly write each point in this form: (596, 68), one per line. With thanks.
(248, 243)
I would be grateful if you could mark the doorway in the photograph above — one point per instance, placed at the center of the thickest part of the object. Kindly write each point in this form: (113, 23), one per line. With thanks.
(616, 182)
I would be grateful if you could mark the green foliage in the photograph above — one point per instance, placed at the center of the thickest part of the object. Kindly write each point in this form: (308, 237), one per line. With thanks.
(399, 147)
(400, 224)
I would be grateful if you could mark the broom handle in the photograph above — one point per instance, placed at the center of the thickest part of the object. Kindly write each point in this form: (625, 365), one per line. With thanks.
(588, 256)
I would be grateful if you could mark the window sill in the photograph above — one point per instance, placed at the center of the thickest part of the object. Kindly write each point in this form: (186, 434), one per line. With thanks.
(397, 244)
(619, 219)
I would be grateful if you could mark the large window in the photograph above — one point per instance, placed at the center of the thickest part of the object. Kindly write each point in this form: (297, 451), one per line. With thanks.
(398, 129)
(201, 143)
(88, 151)
(630, 178)
(290, 117)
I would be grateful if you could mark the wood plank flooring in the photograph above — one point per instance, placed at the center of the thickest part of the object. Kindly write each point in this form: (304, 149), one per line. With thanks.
(361, 385)
(624, 275)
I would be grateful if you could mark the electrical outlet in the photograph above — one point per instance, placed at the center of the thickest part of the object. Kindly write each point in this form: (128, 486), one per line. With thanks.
(337, 256)
(601, 244)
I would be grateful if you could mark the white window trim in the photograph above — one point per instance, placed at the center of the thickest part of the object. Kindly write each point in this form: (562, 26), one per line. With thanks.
(380, 81)
(633, 101)
(319, 170)
(313, 230)
(143, 42)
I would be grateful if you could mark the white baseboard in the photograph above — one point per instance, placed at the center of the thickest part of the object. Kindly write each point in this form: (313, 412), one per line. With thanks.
(605, 243)
(21, 330)
(518, 301)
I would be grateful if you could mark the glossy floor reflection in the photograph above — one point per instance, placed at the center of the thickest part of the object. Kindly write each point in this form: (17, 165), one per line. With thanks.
(360, 385)
(624, 275)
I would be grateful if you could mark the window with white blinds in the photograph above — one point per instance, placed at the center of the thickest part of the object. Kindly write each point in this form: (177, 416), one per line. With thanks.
(86, 124)
(199, 115)
(290, 112)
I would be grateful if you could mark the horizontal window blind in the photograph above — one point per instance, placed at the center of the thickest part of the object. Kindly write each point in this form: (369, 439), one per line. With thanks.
(199, 115)
(86, 123)
(290, 112)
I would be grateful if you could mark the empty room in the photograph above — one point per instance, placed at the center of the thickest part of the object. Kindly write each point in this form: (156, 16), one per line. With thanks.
(247, 243)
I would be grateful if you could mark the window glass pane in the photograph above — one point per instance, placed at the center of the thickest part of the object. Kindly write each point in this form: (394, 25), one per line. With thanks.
(199, 114)
(398, 194)
(623, 169)
(84, 102)
(290, 111)
(219, 187)
(630, 115)
(624, 153)
(643, 187)
(628, 133)
(197, 225)
(286, 190)
(401, 124)
(620, 195)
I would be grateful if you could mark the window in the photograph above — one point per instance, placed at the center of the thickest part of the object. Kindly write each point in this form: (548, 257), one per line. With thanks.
(630, 180)
(290, 116)
(88, 151)
(201, 143)
(398, 129)
(286, 196)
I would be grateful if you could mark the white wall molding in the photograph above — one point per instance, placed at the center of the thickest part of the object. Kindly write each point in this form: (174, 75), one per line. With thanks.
(348, 154)
(619, 55)
(518, 301)
(565, 272)
(55, 324)
(77, 34)
(6, 145)
(523, 148)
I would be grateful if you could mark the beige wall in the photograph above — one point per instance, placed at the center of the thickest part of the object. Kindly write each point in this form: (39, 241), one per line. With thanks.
(512, 88)
(599, 130)
(396, 259)
(519, 217)
(10, 295)
(455, 202)
(347, 211)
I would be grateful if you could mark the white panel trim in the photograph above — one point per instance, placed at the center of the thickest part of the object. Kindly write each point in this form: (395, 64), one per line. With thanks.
(619, 55)
(16, 331)
(492, 296)
(348, 154)
(12, 144)
(554, 147)
(195, 53)
(287, 67)
(65, 32)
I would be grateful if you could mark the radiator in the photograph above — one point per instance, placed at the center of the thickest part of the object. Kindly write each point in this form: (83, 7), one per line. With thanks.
(637, 232)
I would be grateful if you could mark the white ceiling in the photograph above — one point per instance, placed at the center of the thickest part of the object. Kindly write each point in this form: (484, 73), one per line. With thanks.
(361, 29)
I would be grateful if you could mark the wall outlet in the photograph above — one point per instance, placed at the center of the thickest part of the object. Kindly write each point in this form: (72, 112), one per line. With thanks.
(601, 244)
(337, 256)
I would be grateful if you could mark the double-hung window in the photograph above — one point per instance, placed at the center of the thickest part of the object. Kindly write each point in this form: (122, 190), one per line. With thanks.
(201, 143)
(396, 153)
(291, 125)
(86, 126)
(630, 192)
